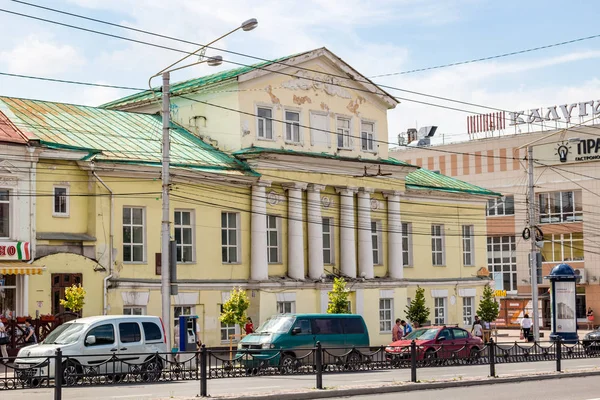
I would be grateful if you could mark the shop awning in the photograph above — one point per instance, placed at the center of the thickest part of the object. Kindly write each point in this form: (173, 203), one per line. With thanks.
(20, 269)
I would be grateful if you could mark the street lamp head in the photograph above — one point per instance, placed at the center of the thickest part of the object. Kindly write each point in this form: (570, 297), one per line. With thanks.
(215, 61)
(249, 24)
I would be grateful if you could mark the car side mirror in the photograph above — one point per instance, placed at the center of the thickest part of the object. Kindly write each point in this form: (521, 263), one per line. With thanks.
(296, 330)
(90, 340)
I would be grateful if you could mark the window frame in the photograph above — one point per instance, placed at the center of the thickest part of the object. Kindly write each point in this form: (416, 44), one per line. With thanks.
(370, 148)
(345, 135)
(132, 244)
(291, 123)
(498, 204)
(408, 248)
(281, 305)
(378, 234)
(131, 308)
(67, 211)
(468, 319)
(442, 242)
(238, 237)
(437, 307)
(277, 231)
(227, 327)
(181, 226)
(259, 118)
(90, 333)
(502, 266)
(9, 212)
(132, 323)
(331, 233)
(192, 308)
(470, 239)
(561, 216)
(384, 321)
(566, 245)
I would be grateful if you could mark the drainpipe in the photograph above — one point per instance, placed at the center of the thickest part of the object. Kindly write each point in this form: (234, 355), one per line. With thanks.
(32, 239)
(111, 229)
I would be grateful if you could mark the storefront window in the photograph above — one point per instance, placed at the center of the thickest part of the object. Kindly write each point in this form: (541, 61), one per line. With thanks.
(8, 295)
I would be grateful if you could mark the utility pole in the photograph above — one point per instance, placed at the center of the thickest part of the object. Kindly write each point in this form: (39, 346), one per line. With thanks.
(165, 226)
(534, 249)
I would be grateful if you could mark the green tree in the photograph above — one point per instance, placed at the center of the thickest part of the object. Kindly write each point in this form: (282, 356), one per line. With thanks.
(234, 309)
(417, 311)
(338, 297)
(488, 309)
(74, 298)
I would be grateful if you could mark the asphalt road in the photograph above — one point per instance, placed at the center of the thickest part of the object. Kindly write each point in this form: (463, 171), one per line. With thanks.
(282, 383)
(560, 389)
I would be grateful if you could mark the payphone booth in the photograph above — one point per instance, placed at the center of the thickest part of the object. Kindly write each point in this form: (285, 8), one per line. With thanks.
(187, 332)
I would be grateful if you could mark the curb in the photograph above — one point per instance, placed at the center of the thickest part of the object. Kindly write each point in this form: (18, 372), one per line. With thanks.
(405, 387)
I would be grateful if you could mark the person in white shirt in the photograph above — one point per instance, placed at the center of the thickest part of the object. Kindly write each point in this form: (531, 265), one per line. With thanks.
(526, 323)
(3, 342)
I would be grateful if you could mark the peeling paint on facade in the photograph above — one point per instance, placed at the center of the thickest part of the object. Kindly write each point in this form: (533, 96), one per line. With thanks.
(305, 81)
(324, 106)
(353, 106)
(301, 100)
(274, 99)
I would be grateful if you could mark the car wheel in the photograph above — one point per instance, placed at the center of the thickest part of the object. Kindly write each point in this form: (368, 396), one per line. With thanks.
(71, 373)
(430, 355)
(353, 361)
(152, 370)
(288, 364)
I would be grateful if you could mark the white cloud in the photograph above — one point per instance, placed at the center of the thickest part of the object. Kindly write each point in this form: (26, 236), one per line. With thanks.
(37, 57)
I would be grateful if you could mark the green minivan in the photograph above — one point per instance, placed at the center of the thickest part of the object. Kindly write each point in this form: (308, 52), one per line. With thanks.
(281, 339)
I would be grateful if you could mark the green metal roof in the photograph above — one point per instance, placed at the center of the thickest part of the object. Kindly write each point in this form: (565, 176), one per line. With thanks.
(260, 150)
(109, 135)
(191, 85)
(429, 180)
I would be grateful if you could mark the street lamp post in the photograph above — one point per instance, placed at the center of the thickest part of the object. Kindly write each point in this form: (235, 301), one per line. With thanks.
(166, 117)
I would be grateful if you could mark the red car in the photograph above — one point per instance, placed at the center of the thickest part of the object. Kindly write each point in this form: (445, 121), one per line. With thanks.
(436, 342)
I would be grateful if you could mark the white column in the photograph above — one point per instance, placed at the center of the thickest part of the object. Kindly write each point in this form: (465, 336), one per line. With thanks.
(395, 266)
(259, 267)
(365, 242)
(347, 241)
(295, 230)
(315, 231)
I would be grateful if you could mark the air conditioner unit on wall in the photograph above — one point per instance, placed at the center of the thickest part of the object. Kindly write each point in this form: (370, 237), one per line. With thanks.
(580, 273)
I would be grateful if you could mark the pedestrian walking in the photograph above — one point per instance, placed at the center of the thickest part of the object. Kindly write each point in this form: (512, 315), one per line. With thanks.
(30, 337)
(590, 318)
(526, 324)
(249, 327)
(407, 328)
(397, 331)
(3, 342)
(477, 328)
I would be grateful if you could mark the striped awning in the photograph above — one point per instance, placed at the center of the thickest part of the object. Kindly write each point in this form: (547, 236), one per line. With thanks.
(20, 269)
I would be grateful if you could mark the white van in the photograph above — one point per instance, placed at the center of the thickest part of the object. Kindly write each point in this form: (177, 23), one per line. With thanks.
(109, 344)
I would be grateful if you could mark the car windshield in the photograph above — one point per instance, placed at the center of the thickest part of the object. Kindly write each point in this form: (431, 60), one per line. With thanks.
(64, 334)
(422, 334)
(276, 325)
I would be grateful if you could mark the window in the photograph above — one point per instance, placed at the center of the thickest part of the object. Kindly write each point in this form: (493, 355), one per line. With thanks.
(328, 241)
(179, 311)
(133, 311)
(406, 244)
(151, 331)
(264, 123)
(184, 236)
(133, 234)
(563, 247)
(327, 326)
(377, 242)
(560, 207)
(292, 126)
(437, 245)
(61, 201)
(129, 332)
(467, 240)
(501, 206)
(227, 330)
(468, 303)
(4, 213)
(460, 333)
(273, 235)
(286, 307)
(105, 335)
(304, 325)
(439, 309)
(229, 237)
(353, 326)
(367, 130)
(502, 260)
(386, 314)
(343, 133)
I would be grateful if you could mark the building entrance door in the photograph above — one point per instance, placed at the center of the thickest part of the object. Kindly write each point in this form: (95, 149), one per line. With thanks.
(59, 283)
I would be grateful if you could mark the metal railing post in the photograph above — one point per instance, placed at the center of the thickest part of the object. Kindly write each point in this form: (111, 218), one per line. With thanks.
(413, 361)
(492, 352)
(203, 372)
(558, 354)
(319, 363)
(58, 375)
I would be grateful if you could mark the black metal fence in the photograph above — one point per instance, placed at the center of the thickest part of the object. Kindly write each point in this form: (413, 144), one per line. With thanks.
(58, 370)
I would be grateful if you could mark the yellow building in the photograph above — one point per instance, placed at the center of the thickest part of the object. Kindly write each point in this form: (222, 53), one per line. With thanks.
(280, 181)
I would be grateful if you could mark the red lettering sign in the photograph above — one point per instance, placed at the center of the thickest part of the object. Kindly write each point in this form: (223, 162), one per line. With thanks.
(2, 250)
(12, 250)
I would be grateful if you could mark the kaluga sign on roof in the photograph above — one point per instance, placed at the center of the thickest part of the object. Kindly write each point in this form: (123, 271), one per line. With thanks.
(562, 113)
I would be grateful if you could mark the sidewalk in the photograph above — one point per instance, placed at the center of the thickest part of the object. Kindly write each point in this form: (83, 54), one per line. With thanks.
(513, 335)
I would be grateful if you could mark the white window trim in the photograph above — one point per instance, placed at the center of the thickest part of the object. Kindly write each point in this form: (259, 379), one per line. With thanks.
(497, 203)
(471, 239)
(238, 238)
(270, 107)
(391, 299)
(193, 227)
(443, 251)
(331, 223)
(67, 201)
(192, 312)
(278, 231)
(409, 250)
(144, 238)
(142, 308)
(12, 218)
(374, 138)
(292, 307)
(236, 329)
(300, 130)
(379, 235)
(491, 267)
(445, 310)
(471, 308)
(350, 141)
